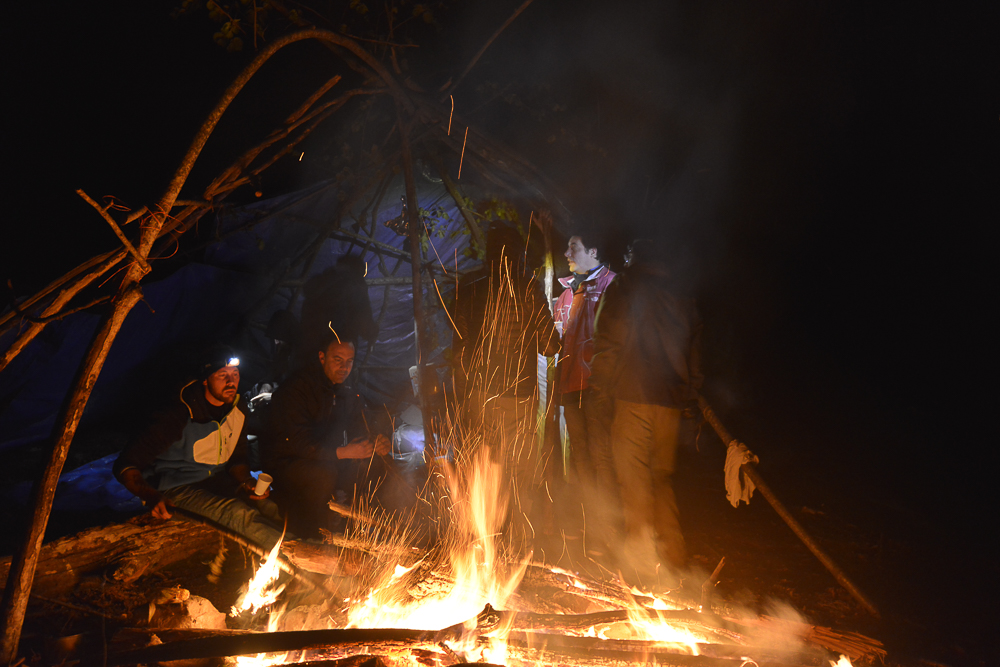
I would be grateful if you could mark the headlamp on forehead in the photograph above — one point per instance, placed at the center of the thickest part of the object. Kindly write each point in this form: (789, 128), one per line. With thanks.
(218, 357)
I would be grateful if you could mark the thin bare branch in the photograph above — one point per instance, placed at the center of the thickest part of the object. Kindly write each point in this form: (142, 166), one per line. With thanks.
(475, 59)
(116, 229)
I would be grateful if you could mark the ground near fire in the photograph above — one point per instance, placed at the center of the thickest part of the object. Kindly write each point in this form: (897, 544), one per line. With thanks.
(822, 172)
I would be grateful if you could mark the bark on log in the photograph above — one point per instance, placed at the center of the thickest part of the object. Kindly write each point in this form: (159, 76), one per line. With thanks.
(132, 549)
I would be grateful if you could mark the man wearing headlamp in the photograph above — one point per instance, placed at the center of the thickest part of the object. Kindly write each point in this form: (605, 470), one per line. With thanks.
(193, 455)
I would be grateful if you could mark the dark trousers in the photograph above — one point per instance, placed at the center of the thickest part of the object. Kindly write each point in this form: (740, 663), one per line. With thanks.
(588, 416)
(644, 440)
(303, 489)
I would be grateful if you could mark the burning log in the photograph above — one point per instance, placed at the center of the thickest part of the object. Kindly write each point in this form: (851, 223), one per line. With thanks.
(370, 640)
(705, 623)
(424, 646)
(566, 650)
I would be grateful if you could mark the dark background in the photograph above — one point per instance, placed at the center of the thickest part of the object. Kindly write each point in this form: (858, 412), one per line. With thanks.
(826, 175)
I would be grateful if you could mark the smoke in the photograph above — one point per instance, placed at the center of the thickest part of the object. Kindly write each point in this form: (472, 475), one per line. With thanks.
(620, 105)
(783, 632)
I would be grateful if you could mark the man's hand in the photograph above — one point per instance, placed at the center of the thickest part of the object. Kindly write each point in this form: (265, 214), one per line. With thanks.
(161, 510)
(134, 482)
(250, 485)
(359, 448)
(241, 473)
(383, 445)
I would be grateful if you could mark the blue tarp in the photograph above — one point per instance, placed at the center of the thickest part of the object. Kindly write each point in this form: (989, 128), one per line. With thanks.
(229, 288)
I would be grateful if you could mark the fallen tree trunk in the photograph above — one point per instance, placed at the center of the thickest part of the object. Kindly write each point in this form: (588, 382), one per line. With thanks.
(131, 548)
(138, 546)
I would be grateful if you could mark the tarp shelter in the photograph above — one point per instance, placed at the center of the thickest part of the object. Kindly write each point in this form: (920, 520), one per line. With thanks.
(258, 262)
(417, 134)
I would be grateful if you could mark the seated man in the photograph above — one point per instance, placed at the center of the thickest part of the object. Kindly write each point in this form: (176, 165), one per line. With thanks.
(180, 458)
(317, 440)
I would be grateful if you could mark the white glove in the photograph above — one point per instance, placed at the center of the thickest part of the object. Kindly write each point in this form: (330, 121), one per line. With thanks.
(738, 486)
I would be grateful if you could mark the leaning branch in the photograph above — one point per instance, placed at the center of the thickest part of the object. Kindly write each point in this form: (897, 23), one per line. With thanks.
(206, 129)
(750, 471)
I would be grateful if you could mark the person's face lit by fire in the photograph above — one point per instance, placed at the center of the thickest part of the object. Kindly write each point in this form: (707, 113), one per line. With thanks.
(337, 361)
(222, 385)
(581, 259)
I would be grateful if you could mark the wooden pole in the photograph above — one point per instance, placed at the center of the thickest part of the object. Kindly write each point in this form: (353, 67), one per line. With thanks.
(467, 215)
(413, 224)
(751, 472)
(22, 570)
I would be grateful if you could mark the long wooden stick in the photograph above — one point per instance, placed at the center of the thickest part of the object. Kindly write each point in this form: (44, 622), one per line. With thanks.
(22, 571)
(413, 222)
(750, 471)
(8, 319)
(635, 651)
(63, 298)
(479, 54)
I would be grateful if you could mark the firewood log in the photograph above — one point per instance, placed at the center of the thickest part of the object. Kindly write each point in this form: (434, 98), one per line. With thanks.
(131, 548)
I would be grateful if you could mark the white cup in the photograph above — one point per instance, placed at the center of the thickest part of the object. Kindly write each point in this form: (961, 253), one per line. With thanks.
(263, 482)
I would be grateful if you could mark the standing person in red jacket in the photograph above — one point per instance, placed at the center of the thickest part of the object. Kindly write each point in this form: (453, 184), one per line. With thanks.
(590, 454)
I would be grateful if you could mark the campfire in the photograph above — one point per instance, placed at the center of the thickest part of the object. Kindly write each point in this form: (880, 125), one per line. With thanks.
(477, 596)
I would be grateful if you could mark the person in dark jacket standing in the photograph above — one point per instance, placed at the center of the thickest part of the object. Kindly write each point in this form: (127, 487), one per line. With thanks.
(646, 358)
(316, 437)
(193, 456)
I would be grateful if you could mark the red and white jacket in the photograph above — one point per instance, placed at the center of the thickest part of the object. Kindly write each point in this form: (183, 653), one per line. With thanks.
(574, 316)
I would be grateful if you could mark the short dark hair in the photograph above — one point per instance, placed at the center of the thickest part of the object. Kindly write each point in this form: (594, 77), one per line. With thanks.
(590, 239)
(503, 238)
(344, 334)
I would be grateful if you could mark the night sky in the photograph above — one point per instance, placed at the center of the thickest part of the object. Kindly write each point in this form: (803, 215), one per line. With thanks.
(826, 171)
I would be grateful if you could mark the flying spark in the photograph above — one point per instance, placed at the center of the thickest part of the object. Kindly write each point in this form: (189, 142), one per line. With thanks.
(462, 158)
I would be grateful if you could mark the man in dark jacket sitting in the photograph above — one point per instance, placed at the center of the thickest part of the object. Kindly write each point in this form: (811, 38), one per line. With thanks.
(316, 439)
(646, 358)
(193, 456)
